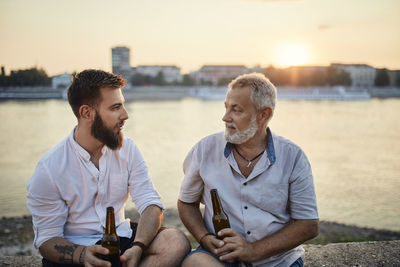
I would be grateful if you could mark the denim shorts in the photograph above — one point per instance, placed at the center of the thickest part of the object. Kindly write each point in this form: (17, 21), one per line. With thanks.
(297, 263)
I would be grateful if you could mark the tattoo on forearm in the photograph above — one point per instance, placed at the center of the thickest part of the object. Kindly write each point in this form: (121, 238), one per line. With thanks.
(67, 252)
(82, 255)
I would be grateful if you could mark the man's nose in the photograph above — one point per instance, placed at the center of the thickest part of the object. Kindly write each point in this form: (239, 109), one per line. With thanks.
(226, 117)
(125, 115)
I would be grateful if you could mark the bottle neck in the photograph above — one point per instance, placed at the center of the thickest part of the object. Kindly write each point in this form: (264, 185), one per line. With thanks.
(110, 221)
(216, 202)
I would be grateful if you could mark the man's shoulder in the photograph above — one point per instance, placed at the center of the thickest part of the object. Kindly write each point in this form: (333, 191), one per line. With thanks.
(129, 150)
(282, 143)
(212, 140)
(55, 152)
(215, 137)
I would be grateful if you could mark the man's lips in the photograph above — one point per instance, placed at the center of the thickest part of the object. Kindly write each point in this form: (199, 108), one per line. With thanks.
(120, 125)
(231, 127)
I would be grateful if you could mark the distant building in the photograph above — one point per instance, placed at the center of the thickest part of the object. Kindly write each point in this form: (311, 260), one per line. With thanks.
(61, 81)
(170, 73)
(394, 77)
(215, 73)
(362, 75)
(121, 61)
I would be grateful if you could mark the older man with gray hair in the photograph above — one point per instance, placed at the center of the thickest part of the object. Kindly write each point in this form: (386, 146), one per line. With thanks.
(264, 181)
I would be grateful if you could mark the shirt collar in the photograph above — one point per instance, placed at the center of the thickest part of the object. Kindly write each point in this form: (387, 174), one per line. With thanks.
(81, 151)
(270, 148)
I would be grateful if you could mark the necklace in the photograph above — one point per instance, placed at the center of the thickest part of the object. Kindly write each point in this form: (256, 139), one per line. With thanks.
(250, 161)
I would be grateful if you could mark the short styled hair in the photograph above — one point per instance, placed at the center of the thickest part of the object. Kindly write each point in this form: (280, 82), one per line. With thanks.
(86, 85)
(263, 91)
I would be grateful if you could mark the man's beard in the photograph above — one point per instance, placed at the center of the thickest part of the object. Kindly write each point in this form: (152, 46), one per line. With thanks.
(240, 137)
(100, 131)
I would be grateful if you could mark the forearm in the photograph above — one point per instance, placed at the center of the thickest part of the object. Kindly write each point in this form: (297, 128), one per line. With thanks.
(60, 250)
(191, 217)
(294, 234)
(149, 224)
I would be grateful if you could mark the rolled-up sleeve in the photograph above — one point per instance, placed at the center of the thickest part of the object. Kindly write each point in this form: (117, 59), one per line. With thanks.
(192, 185)
(140, 185)
(49, 211)
(302, 199)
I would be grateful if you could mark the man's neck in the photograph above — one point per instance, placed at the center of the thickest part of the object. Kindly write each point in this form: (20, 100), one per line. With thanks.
(84, 138)
(255, 144)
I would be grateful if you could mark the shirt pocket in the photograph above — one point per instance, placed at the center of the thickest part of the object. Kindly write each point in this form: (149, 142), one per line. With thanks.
(272, 198)
(118, 187)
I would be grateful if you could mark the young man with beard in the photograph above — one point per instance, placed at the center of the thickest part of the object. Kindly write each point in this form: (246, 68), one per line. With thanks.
(264, 182)
(93, 168)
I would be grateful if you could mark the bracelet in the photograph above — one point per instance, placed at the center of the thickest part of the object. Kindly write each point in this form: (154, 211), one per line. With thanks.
(139, 244)
(206, 234)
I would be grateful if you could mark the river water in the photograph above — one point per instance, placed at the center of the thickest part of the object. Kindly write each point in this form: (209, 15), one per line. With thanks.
(353, 147)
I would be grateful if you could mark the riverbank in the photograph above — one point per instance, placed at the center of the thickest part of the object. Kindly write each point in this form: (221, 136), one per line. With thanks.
(157, 93)
(16, 233)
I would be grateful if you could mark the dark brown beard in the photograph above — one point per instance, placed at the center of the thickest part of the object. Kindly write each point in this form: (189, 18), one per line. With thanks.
(100, 131)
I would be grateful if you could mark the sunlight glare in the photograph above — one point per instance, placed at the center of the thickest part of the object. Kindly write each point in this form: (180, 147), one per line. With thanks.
(292, 54)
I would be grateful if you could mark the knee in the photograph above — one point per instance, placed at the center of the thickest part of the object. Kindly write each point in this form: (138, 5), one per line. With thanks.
(175, 241)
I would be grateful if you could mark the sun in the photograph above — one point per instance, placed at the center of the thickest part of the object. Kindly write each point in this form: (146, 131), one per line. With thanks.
(292, 54)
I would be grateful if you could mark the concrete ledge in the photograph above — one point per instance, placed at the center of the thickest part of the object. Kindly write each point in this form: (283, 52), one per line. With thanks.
(374, 253)
(371, 254)
(17, 261)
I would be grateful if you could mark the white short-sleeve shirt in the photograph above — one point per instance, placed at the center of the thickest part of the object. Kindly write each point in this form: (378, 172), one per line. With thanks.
(279, 188)
(68, 195)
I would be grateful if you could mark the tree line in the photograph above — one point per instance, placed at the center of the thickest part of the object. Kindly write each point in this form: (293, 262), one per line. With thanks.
(25, 77)
(294, 76)
(298, 76)
(330, 76)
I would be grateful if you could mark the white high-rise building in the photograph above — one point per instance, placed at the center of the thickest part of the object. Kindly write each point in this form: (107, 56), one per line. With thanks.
(121, 61)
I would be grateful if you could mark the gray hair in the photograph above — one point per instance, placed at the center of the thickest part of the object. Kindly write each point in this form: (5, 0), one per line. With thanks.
(263, 91)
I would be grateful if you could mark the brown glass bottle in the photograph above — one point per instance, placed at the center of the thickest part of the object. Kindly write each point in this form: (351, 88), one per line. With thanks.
(110, 239)
(219, 218)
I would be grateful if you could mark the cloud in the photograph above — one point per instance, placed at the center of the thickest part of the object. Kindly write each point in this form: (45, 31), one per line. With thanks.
(323, 27)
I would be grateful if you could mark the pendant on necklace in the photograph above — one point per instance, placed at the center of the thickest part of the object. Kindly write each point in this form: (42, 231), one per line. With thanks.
(248, 165)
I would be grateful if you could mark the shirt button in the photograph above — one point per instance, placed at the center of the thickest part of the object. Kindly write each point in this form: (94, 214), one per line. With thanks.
(248, 232)
(245, 184)
(245, 207)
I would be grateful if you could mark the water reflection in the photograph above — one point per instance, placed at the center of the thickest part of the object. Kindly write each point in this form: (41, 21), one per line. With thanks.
(353, 148)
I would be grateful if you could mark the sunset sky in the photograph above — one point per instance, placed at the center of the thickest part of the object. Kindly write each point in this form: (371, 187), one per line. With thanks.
(65, 36)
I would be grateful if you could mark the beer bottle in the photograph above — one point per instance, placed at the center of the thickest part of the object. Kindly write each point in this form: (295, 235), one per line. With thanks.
(110, 239)
(219, 218)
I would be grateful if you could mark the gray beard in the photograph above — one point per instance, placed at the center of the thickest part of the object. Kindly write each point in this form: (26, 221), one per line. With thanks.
(240, 137)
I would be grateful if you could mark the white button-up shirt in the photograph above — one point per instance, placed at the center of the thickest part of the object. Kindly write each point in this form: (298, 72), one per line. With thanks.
(279, 188)
(68, 195)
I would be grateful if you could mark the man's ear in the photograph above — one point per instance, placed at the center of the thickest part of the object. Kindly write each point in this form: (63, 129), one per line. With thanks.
(266, 114)
(86, 112)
